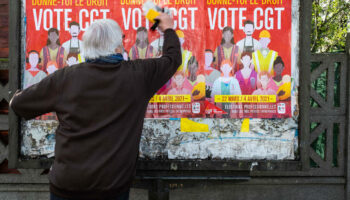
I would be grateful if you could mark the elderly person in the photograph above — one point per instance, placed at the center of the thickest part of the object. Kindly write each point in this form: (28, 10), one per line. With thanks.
(100, 105)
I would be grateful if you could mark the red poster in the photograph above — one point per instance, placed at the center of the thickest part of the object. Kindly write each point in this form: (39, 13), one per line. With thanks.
(236, 53)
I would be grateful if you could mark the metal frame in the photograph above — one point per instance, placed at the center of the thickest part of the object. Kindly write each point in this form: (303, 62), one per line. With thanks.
(14, 74)
(304, 77)
(347, 138)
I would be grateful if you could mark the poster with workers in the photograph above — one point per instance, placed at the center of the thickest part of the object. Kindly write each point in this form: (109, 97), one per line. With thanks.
(236, 55)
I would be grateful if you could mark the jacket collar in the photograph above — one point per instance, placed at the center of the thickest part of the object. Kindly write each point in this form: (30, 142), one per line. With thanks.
(111, 59)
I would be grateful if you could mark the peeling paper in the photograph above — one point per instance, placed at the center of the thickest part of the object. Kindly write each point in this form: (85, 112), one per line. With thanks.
(245, 126)
(38, 138)
(267, 139)
(191, 126)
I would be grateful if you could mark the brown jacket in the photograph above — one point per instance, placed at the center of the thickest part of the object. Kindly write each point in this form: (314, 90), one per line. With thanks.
(100, 108)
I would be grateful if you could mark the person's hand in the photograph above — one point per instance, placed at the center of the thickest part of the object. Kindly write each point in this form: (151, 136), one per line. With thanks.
(166, 22)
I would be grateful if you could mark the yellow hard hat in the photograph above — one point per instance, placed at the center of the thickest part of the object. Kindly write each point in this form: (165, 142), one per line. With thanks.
(264, 34)
(180, 34)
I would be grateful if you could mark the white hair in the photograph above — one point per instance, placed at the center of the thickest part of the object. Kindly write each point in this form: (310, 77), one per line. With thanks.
(102, 38)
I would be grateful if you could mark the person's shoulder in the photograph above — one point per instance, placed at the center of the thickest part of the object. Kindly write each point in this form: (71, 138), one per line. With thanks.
(74, 68)
(74, 71)
(135, 65)
(132, 62)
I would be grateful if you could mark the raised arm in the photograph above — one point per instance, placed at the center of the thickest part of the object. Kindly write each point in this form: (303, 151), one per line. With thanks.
(159, 70)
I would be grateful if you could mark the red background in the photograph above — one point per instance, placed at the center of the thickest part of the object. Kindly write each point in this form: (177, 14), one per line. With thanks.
(196, 40)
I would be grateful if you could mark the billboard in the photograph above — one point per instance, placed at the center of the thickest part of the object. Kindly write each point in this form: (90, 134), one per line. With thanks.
(238, 63)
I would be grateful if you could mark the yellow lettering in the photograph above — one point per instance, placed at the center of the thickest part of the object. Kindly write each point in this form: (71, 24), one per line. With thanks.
(100, 2)
(272, 2)
(187, 2)
(133, 2)
(44, 2)
(253, 2)
(220, 2)
(78, 3)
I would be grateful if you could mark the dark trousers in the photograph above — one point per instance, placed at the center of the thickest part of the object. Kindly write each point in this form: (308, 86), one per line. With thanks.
(123, 196)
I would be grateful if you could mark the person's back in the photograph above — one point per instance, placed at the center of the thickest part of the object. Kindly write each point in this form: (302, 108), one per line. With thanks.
(100, 105)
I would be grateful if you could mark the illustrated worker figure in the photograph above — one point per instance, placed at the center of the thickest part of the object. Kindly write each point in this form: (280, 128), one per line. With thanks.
(263, 59)
(248, 44)
(247, 77)
(264, 78)
(186, 54)
(141, 49)
(177, 84)
(227, 50)
(74, 45)
(72, 59)
(192, 70)
(226, 84)
(278, 67)
(53, 51)
(33, 74)
(100, 105)
(211, 74)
